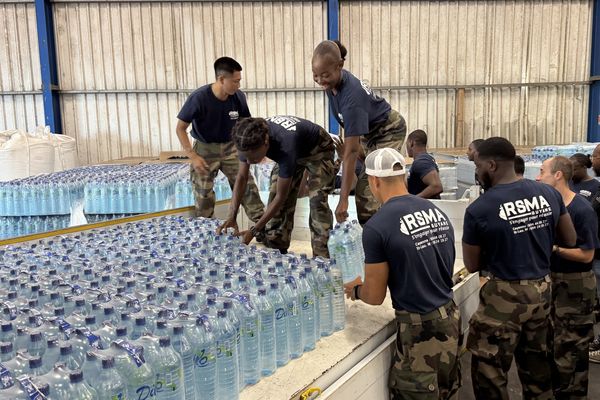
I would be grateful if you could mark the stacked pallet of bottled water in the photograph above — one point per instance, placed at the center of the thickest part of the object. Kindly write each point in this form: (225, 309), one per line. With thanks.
(20, 226)
(567, 150)
(345, 247)
(262, 175)
(161, 309)
(119, 189)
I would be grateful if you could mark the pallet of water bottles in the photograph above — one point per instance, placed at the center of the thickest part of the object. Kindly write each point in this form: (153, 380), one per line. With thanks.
(161, 308)
(184, 192)
(21, 226)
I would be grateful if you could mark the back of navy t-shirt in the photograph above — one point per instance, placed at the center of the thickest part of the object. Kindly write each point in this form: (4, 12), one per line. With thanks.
(416, 239)
(356, 107)
(290, 139)
(514, 224)
(422, 165)
(585, 188)
(212, 119)
(586, 225)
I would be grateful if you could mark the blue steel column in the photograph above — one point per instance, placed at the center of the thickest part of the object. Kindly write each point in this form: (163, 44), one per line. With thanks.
(333, 33)
(594, 109)
(47, 46)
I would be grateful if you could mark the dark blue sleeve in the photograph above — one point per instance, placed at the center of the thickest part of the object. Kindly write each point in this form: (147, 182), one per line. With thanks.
(356, 121)
(373, 246)
(587, 230)
(287, 167)
(422, 167)
(471, 231)
(191, 110)
(244, 110)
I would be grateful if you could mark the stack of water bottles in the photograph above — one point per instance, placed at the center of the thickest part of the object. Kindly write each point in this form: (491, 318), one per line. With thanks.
(262, 175)
(345, 247)
(544, 152)
(122, 189)
(159, 309)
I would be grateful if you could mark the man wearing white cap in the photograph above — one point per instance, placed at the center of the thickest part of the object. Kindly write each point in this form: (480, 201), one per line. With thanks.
(409, 247)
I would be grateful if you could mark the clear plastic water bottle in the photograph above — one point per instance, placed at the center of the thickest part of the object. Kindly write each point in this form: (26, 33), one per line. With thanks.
(108, 383)
(140, 328)
(51, 355)
(169, 372)
(130, 363)
(325, 301)
(281, 325)
(7, 351)
(250, 358)
(227, 361)
(338, 302)
(77, 388)
(266, 314)
(294, 321)
(311, 279)
(204, 347)
(182, 346)
(37, 345)
(66, 357)
(307, 313)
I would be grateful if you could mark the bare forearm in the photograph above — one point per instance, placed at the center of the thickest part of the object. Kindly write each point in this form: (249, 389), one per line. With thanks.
(239, 188)
(430, 192)
(348, 175)
(576, 255)
(370, 296)
(184, 140)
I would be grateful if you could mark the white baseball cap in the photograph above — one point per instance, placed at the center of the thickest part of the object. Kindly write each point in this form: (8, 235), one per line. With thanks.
(381, 163)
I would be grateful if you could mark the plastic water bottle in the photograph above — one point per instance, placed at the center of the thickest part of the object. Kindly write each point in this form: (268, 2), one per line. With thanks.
(250, 357)
(130, 363)
(235, 321)
(204, 347)
(37, 345)
(311, 279)
(325, 302)
(77, 388)
(51, 355)
(227, 364)
(281, 332)
(139, 329)
(6, 351)
(66, 357)
(266, 313)
(109, 384)
(169, 372)
(182, 346)
(338, 302)
(307, 313)
(294, 321)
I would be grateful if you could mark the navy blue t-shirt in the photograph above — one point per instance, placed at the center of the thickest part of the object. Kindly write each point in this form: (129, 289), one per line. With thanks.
(586, 225)
(422, 165)
(290, 139)
(416, 239)
(515, 225)
(356, 107)
(212, 119)
(585, 188)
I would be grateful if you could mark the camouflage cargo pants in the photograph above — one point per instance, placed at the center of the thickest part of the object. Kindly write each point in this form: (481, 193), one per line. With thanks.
(221, 156)
(512, 320)
(321, 177)
(390, 134)
(426, 364)
(572, 330)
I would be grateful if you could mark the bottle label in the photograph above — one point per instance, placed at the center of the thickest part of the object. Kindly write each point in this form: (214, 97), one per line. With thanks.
(292, 281)
(104, 297)
(243, 299)
(133, 302)
(32, 392)
(6, 379)
(135, 352)
(279, 313)
(203, 318)
(65, 327)
(76, 289)
(93, 340)
(181, 283)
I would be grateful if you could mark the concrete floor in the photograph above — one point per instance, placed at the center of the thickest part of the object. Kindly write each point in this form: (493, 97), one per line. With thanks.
(514, 386)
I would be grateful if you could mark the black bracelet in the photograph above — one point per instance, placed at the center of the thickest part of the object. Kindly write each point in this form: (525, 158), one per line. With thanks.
(356, 292)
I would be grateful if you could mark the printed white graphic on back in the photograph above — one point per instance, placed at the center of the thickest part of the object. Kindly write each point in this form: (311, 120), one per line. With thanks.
(526, 214)
(426, 227)
(286, 122)
(233, 115)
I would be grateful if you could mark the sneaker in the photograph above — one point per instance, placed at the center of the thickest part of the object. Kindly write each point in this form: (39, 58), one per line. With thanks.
(595, 350)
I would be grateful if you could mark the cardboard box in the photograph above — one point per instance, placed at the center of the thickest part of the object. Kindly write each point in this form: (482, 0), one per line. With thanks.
(177, 156)
(129, 161)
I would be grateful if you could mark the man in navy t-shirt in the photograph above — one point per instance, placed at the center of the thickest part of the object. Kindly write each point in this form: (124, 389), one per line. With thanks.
(296, 145)
(212, 111)
(509, 231)
(424, 179)
(573, 287)
(409, 247)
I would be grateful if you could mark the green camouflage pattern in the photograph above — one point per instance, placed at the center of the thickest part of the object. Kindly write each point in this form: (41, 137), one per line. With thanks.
(572, 330)
(321, 180)
(389, 134)
(426, 363)
(511, 320)
(221, 156)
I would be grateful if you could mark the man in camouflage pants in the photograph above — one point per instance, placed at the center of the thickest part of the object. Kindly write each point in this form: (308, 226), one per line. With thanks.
(573, 288)
(296, 145)
(213, 110)
(509, 231)
(409, 247)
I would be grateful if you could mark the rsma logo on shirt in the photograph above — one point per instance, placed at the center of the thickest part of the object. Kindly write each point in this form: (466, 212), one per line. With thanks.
(286, 122)
(524, 208)
(422, 220)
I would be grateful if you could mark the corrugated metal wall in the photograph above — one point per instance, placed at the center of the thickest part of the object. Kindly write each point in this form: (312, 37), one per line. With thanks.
(490, 44)
(122, 89)
(21, 104)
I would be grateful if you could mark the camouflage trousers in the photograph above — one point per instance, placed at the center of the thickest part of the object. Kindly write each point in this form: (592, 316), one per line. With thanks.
(389, 134)
(321, 178)
(221, 156)
(426, 363)
(512, 320)
(572, 330)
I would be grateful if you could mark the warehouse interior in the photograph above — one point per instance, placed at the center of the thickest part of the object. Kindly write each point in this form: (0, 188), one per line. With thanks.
(111, 249)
